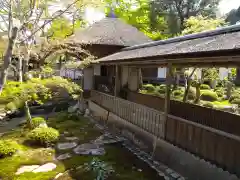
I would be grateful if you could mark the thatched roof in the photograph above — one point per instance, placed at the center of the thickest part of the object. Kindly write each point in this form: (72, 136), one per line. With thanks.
(218, 41)
(110, 31)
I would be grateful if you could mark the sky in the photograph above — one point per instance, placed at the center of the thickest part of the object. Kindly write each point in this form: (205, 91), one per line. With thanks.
(227, 5)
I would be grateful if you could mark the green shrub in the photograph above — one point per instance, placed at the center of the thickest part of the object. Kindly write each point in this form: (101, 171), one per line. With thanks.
(11, 107)
(36, 121)
(236, 101)
(234, 96)
(43, 135)
(208, 95)
(149, 87)
(161, 89)
(208, 104)
(204, 86)
(8, 148)
(177, 93)
(192, 93)
(220, 92)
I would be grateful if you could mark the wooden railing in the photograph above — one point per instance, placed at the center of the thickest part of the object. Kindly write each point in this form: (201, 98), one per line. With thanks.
(213, 118)
(213, 145)
(144, 117)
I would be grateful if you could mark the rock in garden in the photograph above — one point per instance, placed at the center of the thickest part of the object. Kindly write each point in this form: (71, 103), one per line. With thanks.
(107, 139)
(45, 168)
(71, 138)
(24, 169)
(68, 145)
(64, 156)
(89, 149)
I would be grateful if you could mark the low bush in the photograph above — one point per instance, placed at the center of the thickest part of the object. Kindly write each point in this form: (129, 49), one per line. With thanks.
(236, 101)
(37, 121)
(148, 87)
(177, 93)
(8, 148)
(161, 89)
(208, 95)
(204, 86)
(208, 104)
(43, 136)
(234, 96)
(220, 92)
(192, 93)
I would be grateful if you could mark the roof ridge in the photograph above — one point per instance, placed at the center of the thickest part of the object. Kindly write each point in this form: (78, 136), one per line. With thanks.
(224, 30)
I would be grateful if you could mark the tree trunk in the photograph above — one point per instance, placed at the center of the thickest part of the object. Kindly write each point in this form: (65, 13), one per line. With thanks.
(237, 80)
(185, 97)
(20, 73)
(28, 115)
(198, 93)
(26, 63)
(8, 57)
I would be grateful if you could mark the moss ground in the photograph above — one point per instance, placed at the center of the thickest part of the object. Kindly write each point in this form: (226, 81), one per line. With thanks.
(126, 166)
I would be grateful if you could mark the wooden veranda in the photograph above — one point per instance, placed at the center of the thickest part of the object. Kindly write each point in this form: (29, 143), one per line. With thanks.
(217, 144)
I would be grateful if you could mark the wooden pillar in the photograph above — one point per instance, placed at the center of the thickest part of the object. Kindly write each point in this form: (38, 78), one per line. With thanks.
(167, 94)
(117, 81)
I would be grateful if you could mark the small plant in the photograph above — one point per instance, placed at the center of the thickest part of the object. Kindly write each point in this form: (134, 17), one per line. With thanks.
(11, 107)
(177, 93)
(43, 135)
(220, 92)
(8, 148)
(161, 89)
(148, 87)
(37, 121)
(234, 96)
(236, 101)
(100, 168)
(204, 86)
(208, 104)
(208, 95)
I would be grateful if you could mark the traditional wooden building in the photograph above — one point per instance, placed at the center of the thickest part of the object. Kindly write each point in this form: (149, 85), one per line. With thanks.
(169, 128)
(103, 38)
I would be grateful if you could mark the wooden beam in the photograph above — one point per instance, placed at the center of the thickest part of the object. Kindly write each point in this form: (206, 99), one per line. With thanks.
(167, 95)
(117, 81)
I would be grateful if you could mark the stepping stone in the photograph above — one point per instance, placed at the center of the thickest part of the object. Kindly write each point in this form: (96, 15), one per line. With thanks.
(71, 138)
(24, 169)
(107, 139)
(64, 156)
(68, 145)
(45, 168)
(89, 149)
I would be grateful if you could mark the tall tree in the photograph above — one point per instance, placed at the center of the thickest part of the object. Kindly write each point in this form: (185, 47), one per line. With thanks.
(184, 9)
(137, 13)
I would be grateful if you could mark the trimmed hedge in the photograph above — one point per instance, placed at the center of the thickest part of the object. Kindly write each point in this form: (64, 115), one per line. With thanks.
(43, 136)
(208, 95)
(37, 121)
(8, 148)
(148, 87)
(204, 86)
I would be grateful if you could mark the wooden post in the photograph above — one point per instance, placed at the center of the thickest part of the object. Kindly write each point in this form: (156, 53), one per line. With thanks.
(167, 95)
(117, 81)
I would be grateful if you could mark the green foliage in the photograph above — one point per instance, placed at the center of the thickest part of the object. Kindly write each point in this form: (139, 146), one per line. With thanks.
(210, 73)
(177, 92)
(234, 96)
(58, 86)
(200, 23)
(220, 92)
(161, 89)
(208, 104)
(208, 95)
(204, 86)
(43, 135)
(100, 168)
(11, 107)
(192, 93)
(36, 121)
(236, 101)
(8, 148)
(148, 87)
